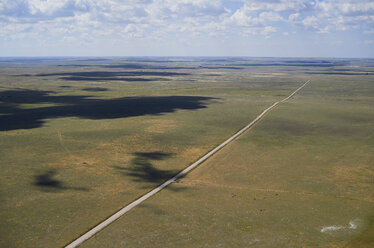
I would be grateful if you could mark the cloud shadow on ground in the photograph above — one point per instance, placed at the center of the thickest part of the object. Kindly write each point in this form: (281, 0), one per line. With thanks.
(132, 76)
(48, 183)
(142, 169)
(13, 116)
(95, 89)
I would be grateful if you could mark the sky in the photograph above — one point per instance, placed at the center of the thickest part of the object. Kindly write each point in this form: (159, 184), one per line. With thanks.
(256, 28)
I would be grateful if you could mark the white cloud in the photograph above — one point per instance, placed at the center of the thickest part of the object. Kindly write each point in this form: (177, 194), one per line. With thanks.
(134, 30)
(48, 7)
(346, 7)
(246, 17)
(345, 15)
(87, 20)
(270, 16)
(310, 22)
(293, 17)
(282, 5)
(324, 30)
(268, 30)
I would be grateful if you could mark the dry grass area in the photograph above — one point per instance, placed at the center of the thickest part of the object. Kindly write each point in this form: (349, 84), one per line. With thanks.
(78, 141)
(302, 177)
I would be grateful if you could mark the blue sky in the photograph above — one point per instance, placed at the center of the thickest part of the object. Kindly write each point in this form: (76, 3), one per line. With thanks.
(270, 28)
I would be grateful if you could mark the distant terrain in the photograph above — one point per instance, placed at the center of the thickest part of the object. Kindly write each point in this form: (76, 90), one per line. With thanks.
(82, 137)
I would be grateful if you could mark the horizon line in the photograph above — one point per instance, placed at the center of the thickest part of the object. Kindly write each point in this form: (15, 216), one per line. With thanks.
(177, 56)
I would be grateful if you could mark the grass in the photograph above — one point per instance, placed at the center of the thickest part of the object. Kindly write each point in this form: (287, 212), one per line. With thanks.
(64, 170)
(68, 170)
(305, 167)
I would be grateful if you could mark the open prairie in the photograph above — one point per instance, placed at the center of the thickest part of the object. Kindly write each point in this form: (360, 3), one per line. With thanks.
(80, 138)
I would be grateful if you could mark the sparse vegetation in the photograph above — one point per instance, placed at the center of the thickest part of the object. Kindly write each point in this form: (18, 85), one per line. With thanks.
(80, 139)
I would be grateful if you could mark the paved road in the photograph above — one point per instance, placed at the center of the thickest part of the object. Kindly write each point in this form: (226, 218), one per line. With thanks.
(133, 204)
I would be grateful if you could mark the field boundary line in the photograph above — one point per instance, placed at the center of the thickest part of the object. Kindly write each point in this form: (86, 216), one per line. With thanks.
(133, 204)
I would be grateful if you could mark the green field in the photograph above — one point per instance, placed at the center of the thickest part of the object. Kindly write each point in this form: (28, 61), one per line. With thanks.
(80, 139)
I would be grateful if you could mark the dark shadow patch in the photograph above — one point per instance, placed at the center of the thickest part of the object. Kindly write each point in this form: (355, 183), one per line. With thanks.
(95, 89)
(152, 155)
(137, 79)
(142, 169)
(110, 74)
(12, 116)
(47, 182)
(131, 76)
(35, 96)
(65, 86)
(129, 66)
(78, 65)
(212, 75)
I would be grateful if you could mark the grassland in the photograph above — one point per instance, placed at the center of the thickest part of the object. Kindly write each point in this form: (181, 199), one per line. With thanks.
(80, 139)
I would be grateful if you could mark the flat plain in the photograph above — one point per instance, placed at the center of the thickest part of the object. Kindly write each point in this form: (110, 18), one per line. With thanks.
(82, 137)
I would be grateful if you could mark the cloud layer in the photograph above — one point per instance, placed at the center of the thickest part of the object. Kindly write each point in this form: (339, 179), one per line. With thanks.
(82, 22)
